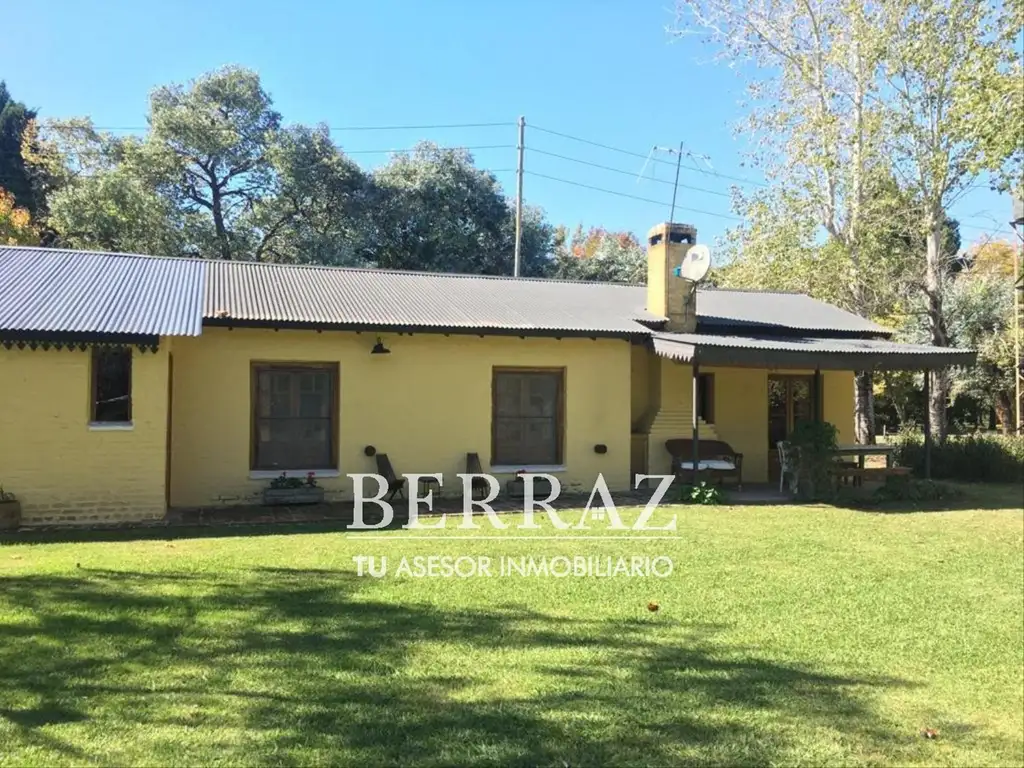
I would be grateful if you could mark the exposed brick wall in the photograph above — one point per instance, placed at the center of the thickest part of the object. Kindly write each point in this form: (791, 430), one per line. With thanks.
(60, 469)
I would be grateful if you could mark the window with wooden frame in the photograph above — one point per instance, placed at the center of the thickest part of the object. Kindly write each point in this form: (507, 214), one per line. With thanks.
(706, 397)
(294, 416)
(527, 417)
(111, 387)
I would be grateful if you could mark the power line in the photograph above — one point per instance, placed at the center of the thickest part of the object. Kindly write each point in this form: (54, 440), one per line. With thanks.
(413, 149)
(625, 173)
(645, 157)
(332, 129)
(631, 197)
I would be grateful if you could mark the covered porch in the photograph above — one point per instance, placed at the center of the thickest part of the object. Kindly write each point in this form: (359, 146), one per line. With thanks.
(748, 392)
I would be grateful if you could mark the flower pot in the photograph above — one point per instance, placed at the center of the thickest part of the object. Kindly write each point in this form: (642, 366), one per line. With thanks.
(10, 515)
(284, 497)
(516, 488)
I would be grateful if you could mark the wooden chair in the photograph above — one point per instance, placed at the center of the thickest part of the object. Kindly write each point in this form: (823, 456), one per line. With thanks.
(473, 467)
(396, 485)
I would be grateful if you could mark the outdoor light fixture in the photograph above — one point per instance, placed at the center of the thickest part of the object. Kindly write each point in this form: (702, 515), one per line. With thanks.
(379, 348)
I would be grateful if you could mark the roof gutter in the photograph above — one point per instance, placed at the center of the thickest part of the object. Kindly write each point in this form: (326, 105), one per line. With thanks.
(641, 334)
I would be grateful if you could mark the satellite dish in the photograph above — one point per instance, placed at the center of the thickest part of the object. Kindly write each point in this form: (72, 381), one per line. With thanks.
(696, 264)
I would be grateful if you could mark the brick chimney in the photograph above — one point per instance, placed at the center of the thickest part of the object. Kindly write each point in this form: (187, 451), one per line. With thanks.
(668, 294)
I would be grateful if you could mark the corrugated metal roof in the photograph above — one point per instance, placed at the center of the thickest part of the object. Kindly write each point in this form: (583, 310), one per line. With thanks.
(81, 291)
(849, 354)
(48, 290)
(762, 309)
(381, 298)
(326, 295)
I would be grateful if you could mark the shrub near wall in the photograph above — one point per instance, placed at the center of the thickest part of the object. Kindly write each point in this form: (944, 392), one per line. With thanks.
(971, 458)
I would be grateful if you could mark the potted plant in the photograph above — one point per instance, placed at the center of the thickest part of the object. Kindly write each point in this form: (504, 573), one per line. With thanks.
(517, 486)
(285, 490)
(10, 510)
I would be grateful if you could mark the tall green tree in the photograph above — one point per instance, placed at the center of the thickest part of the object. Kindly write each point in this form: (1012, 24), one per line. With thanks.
(319, 211)
(14, 118)
(812, 81)
(213, 138)
(845, 96)
(945, 66)
(435, 210)
(101, 190)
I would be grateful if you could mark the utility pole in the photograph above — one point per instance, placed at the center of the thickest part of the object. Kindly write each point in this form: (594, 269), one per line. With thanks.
(520, 146)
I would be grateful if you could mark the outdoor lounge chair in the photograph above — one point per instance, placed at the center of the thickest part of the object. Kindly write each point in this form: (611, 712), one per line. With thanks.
(396, 485)
(473, 468)
(714, 457)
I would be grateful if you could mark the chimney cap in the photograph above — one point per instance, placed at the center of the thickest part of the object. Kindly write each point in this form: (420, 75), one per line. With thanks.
(675, 233)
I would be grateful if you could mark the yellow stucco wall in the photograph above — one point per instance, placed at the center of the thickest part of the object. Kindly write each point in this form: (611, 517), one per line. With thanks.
(741, 416)
(674, 418)
(838, 403)
(62, 470)
(426, 405)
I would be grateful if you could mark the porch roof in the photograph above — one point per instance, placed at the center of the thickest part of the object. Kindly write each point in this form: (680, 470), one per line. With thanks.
(843, 354)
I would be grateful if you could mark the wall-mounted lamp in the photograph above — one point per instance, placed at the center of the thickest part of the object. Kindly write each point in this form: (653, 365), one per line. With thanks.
(379, 348)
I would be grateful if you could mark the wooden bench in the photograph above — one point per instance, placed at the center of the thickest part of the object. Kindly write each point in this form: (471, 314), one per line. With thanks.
(860, 474)
(712, 451)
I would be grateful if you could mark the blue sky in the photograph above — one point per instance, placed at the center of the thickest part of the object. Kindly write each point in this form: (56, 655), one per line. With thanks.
(602, 70)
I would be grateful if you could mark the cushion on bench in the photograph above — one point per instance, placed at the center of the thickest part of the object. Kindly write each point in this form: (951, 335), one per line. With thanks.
(711, 464)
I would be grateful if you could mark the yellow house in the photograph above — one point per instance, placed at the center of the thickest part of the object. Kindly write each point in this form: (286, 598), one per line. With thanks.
(133, 383)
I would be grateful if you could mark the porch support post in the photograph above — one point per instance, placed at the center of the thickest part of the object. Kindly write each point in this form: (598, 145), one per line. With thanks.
(695, 419)
(819, 414)
(927, 426)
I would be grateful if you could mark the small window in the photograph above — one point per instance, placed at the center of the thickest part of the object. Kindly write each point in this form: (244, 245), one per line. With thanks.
(295, 417)
(111, 385)
(706, 397)
(527, 420)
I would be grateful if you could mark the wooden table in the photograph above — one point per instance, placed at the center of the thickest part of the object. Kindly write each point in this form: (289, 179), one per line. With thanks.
(863, 451)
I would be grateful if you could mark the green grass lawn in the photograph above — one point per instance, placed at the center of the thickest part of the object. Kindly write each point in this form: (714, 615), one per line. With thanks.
(785, 635)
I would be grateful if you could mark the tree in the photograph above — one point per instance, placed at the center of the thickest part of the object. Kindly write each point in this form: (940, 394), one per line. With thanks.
(218, 177)
(813, 77)
(993, 257)
(981, 317)
(213, 141)
(15, 223)
(941, 61)
(599, 255)
(14, 117)
(434, 210)
(847, 96)
(320, 207)
(100, 190)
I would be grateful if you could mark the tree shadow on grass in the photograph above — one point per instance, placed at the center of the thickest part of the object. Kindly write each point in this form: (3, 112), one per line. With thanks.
(309, 666)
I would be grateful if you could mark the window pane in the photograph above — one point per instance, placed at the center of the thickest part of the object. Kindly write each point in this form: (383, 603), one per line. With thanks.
(526, 419)
(543, 395)
(540, 441)
(508, 388)
(295, 421)
(293, 443)
(112, 385)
